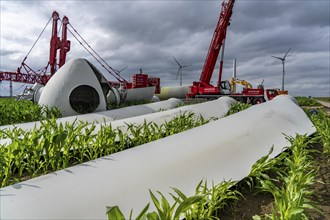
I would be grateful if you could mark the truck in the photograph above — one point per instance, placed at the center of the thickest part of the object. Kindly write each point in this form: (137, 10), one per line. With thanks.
(203, 88)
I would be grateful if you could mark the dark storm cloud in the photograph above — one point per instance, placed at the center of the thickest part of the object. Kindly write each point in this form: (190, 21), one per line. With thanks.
(276, 25)
(150, 33)
(146, 34)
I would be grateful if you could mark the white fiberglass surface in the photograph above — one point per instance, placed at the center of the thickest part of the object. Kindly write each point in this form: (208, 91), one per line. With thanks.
(208, 110)
(140, 93)
(107, 116)
(173, 92)
(75, 73)
(222, 150)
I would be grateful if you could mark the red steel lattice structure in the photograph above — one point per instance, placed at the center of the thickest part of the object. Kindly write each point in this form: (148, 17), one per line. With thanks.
(25, 74)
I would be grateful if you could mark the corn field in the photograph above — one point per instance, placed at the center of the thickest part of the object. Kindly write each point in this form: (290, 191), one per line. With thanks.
(303, 101)
(13, 112)
(288, 178)
(57, 146)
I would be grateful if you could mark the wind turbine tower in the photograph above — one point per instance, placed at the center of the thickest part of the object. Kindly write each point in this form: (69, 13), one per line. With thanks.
(283, 64)
(180, 70)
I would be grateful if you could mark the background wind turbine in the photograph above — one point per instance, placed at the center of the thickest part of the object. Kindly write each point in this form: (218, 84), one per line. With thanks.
(283, 63)
(119, 71)
(180, 70)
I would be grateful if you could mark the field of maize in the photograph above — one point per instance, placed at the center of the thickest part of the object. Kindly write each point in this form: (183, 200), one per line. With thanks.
(55, 146)
(288, 185)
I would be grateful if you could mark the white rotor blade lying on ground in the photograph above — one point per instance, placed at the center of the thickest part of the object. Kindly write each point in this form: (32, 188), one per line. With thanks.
(109, 115)
(222, 150)
(212, 109)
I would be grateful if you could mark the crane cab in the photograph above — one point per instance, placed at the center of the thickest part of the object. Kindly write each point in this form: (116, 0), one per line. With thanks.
(225, 87)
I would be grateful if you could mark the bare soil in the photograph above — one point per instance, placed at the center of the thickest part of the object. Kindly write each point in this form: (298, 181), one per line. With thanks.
(322, 187)
(257, 203)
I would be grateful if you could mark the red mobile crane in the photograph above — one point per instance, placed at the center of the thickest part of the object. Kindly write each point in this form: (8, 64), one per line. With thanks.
(203, 88)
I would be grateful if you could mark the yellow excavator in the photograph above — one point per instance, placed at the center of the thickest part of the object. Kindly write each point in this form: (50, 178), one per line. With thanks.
(234, 81)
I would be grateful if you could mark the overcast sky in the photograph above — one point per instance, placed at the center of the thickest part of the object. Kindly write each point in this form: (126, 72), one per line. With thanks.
(146, 34)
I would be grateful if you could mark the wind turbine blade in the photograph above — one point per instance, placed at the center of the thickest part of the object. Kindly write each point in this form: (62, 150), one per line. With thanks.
(116, 71)
(123, 69)
(286, 53)
(176, 61)
(280, 58)
(186, 65)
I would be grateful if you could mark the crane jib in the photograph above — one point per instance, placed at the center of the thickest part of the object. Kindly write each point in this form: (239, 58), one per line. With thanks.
(217, 41)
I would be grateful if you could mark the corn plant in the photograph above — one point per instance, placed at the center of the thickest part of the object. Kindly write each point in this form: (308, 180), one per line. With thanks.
(265, 167)
(216, 199)
(203, 205)
(304, 101)
(164, 211)
(322, 123)
(237, 107)
(54, 146)
(182, 122)
(292, 188)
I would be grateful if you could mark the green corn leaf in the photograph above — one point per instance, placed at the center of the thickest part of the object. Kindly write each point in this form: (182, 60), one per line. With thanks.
(186, 205)
(156, 203)
(130, 214)
(165, 205)
(176, 199)
(180, 194)
(142, 214)
(114, 213)
(296, 210)
(153, 216)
